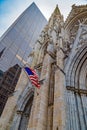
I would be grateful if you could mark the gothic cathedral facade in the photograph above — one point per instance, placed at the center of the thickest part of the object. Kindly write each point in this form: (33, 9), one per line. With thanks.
(60, 59)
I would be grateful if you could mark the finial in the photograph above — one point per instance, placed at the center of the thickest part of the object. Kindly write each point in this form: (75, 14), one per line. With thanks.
(57, 10)
(73, 6)
(57, 5)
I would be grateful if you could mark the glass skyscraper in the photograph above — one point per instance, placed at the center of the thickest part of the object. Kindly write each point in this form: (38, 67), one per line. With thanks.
(19, 39)
(15, 46)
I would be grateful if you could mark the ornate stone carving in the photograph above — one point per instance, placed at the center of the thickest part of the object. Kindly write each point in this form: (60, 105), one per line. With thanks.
(83, 36)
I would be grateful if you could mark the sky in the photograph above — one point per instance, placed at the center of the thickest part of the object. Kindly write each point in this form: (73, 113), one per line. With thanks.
(11, 9)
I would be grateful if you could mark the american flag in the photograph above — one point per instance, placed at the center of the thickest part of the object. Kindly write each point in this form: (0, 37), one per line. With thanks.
(33, 76)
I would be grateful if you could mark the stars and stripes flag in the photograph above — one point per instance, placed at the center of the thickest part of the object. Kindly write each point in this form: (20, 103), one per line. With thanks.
(32, 76)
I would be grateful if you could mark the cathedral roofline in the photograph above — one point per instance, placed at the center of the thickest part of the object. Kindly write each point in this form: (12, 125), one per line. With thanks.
(74, 12)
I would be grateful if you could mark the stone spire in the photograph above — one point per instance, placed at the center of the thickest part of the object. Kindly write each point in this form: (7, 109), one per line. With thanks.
(56, 13)
(51, 34)
(56, 18)
(57, 10)
(47, 56)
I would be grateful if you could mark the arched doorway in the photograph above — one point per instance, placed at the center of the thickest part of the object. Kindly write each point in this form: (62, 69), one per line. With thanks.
(25, 115)
(24, 105)
(76, 93)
